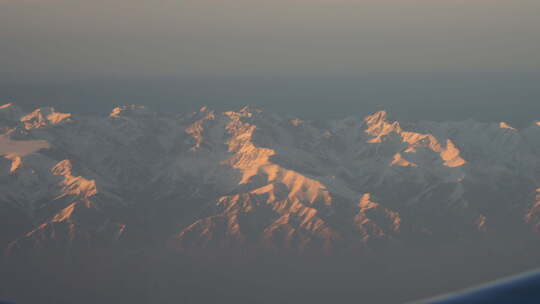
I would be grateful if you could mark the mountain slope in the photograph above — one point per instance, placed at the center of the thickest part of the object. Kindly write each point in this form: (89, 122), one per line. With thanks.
(246, 179)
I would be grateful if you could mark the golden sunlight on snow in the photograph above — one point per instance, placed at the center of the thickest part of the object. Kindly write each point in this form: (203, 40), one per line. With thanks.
(252, 160)
(196, 129)
(504, 125)
(450, 155)
(43, 117)
(400, 161)
(74, 185)
(64, 214)
(390, 221)
(379, 127)
(15, 162)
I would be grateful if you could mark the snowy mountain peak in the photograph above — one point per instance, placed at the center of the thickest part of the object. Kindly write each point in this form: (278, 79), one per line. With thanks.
(249, 182)
(504, 125)
(249, 178)
(376, 117)
(74, 185)
(62, 168)
(197, 128)
(129, 111)
(246, 111)
(16, 162)
(398, 160)
(380, 128)
(43, 117)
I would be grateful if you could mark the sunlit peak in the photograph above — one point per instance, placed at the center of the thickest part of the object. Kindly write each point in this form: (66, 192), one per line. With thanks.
(504, 125)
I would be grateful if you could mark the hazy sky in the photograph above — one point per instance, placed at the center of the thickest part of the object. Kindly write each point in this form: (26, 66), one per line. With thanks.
(66, 38)
(60, 41)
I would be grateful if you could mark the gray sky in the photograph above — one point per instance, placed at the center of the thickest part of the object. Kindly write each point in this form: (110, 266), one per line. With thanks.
(424, 52)
(66, 38)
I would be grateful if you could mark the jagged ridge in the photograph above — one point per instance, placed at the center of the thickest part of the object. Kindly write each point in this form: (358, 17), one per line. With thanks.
(245, 179)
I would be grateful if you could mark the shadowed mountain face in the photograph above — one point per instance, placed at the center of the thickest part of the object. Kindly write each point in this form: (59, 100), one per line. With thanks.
(151, 187)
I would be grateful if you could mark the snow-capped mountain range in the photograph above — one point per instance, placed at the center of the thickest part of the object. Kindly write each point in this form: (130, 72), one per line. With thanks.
(248, 179)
